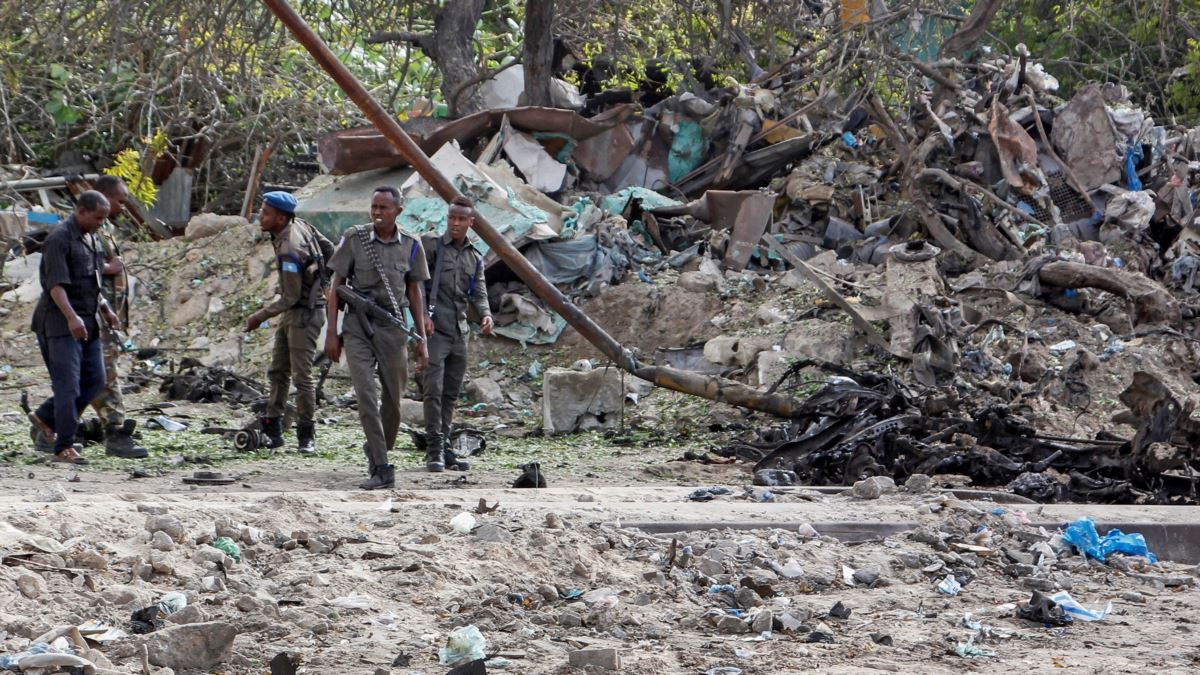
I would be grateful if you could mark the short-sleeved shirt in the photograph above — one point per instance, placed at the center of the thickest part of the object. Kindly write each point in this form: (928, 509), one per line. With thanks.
(300, 255)
(461, 283)
(73, 260)
(402, 259)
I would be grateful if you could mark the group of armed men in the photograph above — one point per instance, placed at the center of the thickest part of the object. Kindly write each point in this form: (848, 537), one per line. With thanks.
(372, 275)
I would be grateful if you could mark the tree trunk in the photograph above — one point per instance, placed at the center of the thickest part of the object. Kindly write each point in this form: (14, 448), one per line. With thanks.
(965, 38)
(1149, 301)
(538, 51)
(453, 37)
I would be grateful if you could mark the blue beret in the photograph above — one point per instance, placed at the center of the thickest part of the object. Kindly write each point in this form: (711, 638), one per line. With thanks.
(281, 201)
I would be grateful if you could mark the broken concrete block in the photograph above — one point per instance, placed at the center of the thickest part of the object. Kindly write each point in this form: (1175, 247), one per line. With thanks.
(204, 225)
(194, 646)
(412, 413)
(31, 585)
(820, 340)
(494, 533)
(737, 351)
(573, 400)
(606, 659)
(698, 282)
(721, 350)
(485, 390)
(873, 487)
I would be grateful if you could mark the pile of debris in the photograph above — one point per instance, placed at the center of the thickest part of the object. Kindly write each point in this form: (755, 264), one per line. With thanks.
(235, 583)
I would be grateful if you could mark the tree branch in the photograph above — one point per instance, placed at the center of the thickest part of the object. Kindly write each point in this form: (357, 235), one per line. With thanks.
(422, 40)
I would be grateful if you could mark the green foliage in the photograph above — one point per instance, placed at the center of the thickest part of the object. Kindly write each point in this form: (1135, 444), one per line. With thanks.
(1142, 44)
(128, 166)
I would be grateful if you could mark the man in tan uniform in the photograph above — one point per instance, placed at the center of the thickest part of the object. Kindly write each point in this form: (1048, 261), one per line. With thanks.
(387, 265)
(300, 255)
(458, 280)
(109, 404)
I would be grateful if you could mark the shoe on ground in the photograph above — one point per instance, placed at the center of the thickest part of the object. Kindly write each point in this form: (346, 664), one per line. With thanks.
(118, 442)
(383, 478)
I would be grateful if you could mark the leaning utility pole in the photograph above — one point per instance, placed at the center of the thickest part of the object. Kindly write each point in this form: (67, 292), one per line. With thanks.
(712, 388)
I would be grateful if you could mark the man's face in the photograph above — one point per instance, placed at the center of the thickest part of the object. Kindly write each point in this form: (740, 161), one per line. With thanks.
(384, 209)
(116, 201)
(271, 219)
(90, 221)
(459, 221)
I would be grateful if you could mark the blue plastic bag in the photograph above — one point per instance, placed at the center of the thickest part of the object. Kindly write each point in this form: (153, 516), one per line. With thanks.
(1132, 157)
(1082, 535)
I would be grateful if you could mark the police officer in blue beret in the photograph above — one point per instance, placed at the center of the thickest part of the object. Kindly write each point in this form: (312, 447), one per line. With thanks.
(300, 255)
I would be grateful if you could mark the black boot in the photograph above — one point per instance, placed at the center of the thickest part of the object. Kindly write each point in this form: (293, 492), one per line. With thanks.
(272, 428)
(305, 437)
(434, 461)
(118, 442)
(453, 461)
(383, 477)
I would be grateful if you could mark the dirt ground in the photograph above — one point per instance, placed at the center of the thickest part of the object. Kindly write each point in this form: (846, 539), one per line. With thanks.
(353, 582)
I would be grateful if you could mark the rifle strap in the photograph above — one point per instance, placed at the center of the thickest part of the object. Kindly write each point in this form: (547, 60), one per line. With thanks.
(437, 277)
(364, 238)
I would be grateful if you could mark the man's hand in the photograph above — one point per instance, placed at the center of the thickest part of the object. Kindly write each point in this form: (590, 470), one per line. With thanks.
(77, 327)
(422, 357)
(489, 326)
(253, 321)
(428, 325)
(113, 267)
(111, 318)
(333, 347)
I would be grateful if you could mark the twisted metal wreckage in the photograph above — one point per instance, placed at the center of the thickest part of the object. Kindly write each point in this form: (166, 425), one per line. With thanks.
(860, 423)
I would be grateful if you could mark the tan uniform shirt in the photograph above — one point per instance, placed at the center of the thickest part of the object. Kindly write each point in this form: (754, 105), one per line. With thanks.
(297, 249)
(462, 282)
(402, 260)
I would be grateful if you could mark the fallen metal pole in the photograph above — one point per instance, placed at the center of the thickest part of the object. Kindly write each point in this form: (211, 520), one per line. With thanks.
(712, 388)
(43, 183)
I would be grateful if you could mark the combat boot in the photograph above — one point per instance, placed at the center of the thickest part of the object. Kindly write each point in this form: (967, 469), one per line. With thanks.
(382, 477)
(435, 462)
(306, 437)
(453, 461)
(272, 428)
(118, 442)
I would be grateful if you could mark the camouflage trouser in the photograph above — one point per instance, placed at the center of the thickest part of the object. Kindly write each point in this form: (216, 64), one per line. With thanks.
(108, 403)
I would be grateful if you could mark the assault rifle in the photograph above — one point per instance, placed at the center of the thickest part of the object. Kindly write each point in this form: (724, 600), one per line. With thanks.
(368, 311)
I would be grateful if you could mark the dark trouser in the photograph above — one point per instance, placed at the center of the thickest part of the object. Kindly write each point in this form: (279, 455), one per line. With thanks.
(76, 376)
(443, 380)
(292, 361)
(379, 372)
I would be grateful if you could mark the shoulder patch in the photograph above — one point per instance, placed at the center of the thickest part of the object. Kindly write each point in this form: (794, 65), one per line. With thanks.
(289, 266)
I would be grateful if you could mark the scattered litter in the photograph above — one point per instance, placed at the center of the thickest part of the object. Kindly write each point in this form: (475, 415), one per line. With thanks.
(165, 423)
(949, 586)
(463, 523)
(464, 644)
(1083, 536)
(1076, 611)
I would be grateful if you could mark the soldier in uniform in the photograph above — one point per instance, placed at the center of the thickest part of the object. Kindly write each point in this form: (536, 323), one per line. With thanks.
(389, 266)
(114, 284)
(300, 255)
(458, 280)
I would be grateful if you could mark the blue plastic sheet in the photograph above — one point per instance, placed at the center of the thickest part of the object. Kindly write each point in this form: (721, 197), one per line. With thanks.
(687, 149)
(1082, 535)
(1132, 157)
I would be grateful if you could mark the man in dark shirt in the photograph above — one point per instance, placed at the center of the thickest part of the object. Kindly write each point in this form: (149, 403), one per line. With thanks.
(66, 325)
(457, 281)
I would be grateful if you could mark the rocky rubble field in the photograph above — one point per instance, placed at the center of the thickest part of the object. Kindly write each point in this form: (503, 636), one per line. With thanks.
(354, 583)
